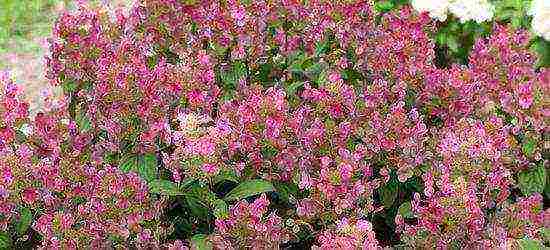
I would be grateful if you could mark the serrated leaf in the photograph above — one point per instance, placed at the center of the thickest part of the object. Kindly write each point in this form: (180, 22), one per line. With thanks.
(249, 188)
(5, 240)
(201, 242)
(165, 187)
(545, 233)
(532, 180)
(405, 210)
(441, 38)
(24, 221)
(128, 164)
(200, 200)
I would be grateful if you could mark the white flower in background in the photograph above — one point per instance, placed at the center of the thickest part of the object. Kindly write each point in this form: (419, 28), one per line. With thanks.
(26, 129)
(540, 10)
(190, 122)
(477, 10)
(436, 8)
(465, 10)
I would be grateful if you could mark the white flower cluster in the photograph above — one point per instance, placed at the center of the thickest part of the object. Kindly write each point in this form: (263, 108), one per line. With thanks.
(465, 10)
(436, 8)
(540, 10)
(477, 10)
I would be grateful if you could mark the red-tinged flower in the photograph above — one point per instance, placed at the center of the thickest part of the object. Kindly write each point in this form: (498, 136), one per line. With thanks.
(30, 195)
(210, 169)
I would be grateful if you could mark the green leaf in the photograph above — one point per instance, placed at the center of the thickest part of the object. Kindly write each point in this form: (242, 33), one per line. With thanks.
(198, 208)
(529, 244)
(69, 86)
(231, 77)
(545, 233)
(200, 200)
(165, 187)
(322, 48)
(5, 240)
(293, 88)
(405, 210)
(542, 48)
(249, 188)
(147, 167)
(441, 38)
(532, 180)
(547, 186)
(388, 193)
(129, 164)
(201, 242)
(83, 122)
(24, 221)
(452, 43)
(285, 190)
(383, 6)
(221, 209)
(529, 146)
(190, 2)
(144, 165)
(226, 175)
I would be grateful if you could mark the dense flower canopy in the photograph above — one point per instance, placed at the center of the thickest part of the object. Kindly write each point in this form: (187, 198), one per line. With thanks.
(276, 124)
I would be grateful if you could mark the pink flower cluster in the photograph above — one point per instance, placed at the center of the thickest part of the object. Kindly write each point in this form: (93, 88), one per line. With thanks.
(338, 106)
(48, 166)
(248, 225)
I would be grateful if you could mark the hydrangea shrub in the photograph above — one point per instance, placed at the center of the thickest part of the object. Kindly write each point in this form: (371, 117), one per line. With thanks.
(276, 124)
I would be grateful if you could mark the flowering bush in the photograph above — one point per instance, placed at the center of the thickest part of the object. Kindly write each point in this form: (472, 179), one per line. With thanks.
(276, 124)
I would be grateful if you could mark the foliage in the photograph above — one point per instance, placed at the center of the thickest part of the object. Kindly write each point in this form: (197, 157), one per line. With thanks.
(277, 124)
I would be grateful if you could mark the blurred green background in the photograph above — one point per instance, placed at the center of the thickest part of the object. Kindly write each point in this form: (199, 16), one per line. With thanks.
(22, 21)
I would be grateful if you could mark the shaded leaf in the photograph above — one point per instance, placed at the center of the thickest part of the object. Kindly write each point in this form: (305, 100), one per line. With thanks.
(165, 187)
(532, 180)
(405, 210)
(547, 186)
(285, 190)
(249, 188)
(226, 175)
(5, 240)
(24, 221)
(197, 207)
(293, 88)
(388, 193)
